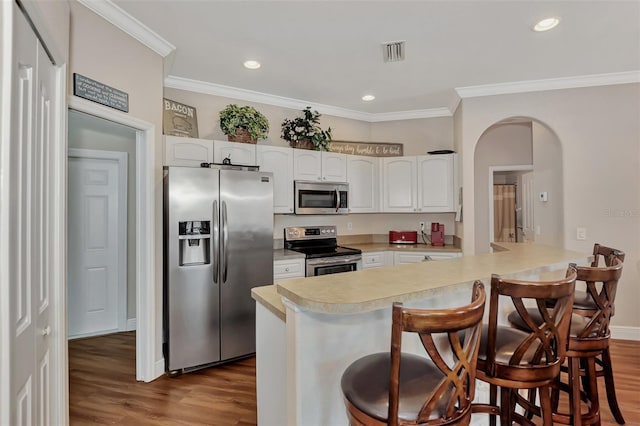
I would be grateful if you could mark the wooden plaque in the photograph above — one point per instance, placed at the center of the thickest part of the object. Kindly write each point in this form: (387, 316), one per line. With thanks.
(179, 119)
(371, 149)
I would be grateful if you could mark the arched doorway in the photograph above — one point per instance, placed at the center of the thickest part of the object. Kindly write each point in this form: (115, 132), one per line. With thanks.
(518, 144)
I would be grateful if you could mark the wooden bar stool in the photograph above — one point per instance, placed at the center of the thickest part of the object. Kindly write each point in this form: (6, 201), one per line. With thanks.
(512, 359)
(405, 389)
(583, 301)
(589, 339)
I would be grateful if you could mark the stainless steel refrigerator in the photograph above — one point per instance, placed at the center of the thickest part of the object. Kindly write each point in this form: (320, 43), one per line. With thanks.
(218, 244)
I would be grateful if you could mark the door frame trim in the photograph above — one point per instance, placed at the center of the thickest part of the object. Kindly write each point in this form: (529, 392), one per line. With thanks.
(122, 159)
(492, 169)
(147, 298)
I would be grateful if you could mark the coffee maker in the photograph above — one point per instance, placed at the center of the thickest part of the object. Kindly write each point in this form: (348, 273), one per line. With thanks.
(437, 234)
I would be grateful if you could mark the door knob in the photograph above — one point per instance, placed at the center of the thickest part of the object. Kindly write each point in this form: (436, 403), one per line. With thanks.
(46, 331)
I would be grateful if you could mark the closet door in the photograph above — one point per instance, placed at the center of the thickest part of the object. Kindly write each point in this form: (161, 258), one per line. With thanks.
(26, 248)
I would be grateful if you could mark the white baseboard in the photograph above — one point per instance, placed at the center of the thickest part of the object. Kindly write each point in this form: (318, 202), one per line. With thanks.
(131, 324)
(158, 369)
(625, 333)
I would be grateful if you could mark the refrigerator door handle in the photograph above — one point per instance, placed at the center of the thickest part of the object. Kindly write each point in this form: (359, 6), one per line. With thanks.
(225, 239)
(216, 242)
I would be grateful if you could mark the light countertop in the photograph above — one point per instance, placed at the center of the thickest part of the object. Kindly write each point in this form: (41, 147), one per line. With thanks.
(371, 247)
(372, 289)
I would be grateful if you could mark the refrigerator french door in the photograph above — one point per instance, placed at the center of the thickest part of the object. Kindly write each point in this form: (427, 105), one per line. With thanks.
(218, 245)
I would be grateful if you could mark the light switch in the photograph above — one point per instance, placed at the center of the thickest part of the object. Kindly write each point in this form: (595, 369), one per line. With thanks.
(581, 233)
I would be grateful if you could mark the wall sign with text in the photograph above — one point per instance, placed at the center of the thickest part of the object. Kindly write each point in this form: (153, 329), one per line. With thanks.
(371, 149)
(85, 87)
(179, 119)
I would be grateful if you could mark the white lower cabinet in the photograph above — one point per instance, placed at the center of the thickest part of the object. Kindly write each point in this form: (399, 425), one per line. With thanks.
(402, 257)
(376, 259)
(289, 268)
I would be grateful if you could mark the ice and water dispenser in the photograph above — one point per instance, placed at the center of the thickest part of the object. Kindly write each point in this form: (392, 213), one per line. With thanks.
(195, 242)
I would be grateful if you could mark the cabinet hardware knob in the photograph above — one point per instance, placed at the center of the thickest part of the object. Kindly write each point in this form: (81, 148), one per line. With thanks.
(46, 331)
(286, 269)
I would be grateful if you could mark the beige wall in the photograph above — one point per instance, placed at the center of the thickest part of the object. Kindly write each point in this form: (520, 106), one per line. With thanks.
(501, 145)
(88, 132)
(104, 53)
(418, 136)
(599, 131)
(547, 177)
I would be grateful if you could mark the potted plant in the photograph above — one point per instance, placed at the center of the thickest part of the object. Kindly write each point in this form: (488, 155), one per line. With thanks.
(305, 132)
(243, 124)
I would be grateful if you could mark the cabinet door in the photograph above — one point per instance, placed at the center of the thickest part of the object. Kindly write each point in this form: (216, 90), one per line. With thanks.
(307, 164)
(279, 161)
(285, 269)
(238, 153)
(373, 260)
(436, 183)
(400, 258)
(363, 175)
(334, 166)
(399, 184)
(179, 151)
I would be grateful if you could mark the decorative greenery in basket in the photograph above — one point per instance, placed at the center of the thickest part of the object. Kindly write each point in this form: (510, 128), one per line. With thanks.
(305, 131)
(243, 124)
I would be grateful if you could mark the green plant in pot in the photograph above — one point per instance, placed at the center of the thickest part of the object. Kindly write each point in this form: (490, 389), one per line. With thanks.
(305, 132)
(243, 124)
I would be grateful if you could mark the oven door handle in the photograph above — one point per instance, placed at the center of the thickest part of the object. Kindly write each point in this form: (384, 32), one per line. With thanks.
(335, 260)
(337, 200)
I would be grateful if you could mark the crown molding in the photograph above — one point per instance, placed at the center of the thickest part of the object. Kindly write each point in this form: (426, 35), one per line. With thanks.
(207, 88)
(130, 25)
(549, 84)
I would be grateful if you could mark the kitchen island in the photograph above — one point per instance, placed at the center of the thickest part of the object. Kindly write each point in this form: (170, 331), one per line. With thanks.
(309, 330)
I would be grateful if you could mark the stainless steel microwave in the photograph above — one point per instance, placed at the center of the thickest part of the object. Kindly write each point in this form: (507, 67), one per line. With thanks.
(321, 197)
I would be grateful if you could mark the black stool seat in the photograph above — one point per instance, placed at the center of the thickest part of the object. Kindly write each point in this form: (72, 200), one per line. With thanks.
(365, 383)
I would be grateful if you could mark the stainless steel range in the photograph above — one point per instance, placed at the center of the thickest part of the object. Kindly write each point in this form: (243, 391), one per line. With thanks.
(320, 247)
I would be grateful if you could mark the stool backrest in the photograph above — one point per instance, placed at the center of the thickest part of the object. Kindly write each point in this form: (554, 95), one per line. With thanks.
(545, 345)
(462, 328)
(602, 284)
(607, 253)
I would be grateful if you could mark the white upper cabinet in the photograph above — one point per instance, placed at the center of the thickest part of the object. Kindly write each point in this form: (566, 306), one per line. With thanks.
(363, 175)
(399, 184)
(179, 151)
(319, 165)
(279, 161)
(239, 153)
(436, 183)
(424, 183)
(334, 166)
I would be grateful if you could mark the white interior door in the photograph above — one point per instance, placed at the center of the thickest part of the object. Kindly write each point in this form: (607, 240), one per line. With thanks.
(527, 206)
(26, 246)
(96, 242)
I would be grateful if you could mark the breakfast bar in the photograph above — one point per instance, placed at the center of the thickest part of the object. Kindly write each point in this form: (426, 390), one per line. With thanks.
(308, 330)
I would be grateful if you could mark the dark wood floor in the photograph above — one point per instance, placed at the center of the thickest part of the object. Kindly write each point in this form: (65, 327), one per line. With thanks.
(103, 389)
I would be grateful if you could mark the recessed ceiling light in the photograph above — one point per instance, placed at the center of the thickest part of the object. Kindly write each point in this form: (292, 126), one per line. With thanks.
(252, 65)
(368, 98)
(546, 24)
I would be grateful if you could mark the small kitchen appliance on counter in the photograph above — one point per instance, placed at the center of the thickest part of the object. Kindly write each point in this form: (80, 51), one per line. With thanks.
(403, 237)
(437, 234)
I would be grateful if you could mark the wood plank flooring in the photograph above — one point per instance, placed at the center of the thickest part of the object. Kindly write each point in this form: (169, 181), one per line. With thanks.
(103, 389)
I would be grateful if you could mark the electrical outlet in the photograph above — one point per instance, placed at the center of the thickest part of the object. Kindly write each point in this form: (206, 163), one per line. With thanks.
(349, 226)
(422, 226)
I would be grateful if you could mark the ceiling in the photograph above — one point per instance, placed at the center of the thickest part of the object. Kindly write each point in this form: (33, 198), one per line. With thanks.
(329, 53)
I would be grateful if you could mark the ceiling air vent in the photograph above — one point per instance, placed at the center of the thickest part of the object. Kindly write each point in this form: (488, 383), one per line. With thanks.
(393, 51)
